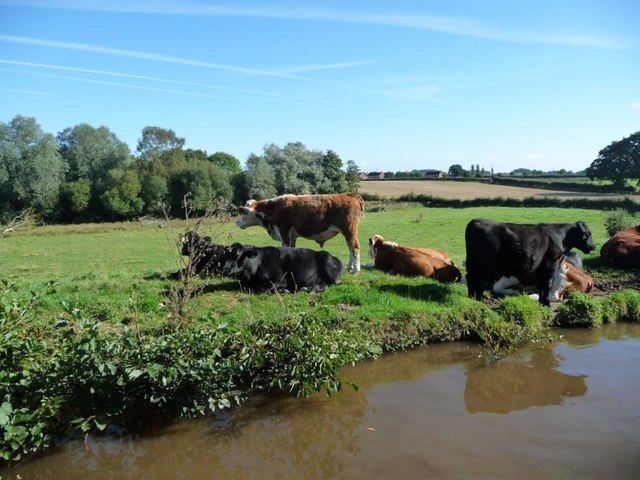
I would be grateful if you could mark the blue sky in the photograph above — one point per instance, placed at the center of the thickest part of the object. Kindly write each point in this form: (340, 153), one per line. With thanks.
(391, 85)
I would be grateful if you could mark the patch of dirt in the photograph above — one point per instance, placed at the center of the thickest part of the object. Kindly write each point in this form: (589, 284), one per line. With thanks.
(608, 286)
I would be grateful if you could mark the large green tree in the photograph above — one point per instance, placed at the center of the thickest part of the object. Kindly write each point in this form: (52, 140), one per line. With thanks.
(91, 152)
(161, 151)
(120, 195)
(161, 155)
(456, 170)
(333, 180)
(204, 182)
(31, 169)
(618, 161)
(226, 162)
(260, 181)
(352, 177)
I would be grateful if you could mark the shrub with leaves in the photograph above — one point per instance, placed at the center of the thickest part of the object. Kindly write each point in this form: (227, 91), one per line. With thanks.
(299, 354)
(84, 375)
(621, 307)
(618, 220)
(579, 310)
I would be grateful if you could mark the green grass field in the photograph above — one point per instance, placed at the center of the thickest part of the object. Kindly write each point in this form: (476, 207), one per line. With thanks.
(116, 271)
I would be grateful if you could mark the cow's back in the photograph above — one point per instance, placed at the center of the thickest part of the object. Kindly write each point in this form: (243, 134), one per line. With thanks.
(623, 249)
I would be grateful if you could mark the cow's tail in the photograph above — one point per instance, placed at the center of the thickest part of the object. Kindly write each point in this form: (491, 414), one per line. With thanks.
(360, 200)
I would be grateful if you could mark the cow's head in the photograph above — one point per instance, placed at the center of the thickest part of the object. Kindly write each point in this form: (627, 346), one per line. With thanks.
(580, 237)
(191, 242)
(233, 258)
(248, 215)
(374, 242)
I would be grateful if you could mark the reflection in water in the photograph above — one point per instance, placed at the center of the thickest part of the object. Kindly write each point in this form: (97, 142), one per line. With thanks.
(414, 416)
(519, 382)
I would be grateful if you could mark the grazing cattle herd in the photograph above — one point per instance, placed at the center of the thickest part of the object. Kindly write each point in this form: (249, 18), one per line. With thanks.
(507, 258)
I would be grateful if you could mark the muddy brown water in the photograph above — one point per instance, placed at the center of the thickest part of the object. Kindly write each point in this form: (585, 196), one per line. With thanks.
(563, 410)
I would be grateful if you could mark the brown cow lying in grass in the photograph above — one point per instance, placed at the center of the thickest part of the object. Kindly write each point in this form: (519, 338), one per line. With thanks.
(623, 249)
(412, 261)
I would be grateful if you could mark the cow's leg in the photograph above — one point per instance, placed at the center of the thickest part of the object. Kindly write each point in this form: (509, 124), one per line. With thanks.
(354, 252)
(544, 285)
(474, 282)
(288, 239)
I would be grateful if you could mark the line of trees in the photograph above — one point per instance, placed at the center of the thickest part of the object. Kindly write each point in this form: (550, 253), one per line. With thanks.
(87, 174)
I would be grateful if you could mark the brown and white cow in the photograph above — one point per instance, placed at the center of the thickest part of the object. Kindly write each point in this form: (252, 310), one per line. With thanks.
(567, 278)
(412, 261)
(623, 249)
(315, 217)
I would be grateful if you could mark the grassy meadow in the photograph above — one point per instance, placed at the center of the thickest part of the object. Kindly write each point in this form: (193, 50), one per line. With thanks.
(117, 271)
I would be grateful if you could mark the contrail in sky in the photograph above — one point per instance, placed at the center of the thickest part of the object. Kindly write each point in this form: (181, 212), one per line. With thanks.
(134, 76)
(454, 25)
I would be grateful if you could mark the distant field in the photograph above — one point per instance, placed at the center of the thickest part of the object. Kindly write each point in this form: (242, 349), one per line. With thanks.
(465, 190)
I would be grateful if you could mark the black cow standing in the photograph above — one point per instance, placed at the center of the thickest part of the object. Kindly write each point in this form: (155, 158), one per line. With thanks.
(513, 249)
(280, 268)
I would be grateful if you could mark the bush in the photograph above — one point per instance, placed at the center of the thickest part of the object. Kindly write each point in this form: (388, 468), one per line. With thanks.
(81, 375)
(524, 311)
(618, 220)
(614, 308)
(580, 310)
(299, 354)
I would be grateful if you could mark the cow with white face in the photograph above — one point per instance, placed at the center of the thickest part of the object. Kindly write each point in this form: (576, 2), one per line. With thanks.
(315, 217)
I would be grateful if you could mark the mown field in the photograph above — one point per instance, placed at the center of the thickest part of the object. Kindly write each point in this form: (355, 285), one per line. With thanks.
(469, 190)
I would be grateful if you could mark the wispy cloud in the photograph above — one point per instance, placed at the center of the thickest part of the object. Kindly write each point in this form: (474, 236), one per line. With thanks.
(135, 76)
(122, 85)
(137, 54)
(330, 66)
(27, 92)
(422, 21)
(157, 57)
(635, 106)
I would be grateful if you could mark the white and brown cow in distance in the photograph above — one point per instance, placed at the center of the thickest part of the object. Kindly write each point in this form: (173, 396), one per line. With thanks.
(314, 217)
(412, 261)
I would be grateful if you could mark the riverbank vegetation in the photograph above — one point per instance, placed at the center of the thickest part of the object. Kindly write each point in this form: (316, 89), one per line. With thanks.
(95, 330)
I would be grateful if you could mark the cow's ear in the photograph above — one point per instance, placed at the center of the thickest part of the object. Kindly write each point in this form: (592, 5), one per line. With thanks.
(583, 228)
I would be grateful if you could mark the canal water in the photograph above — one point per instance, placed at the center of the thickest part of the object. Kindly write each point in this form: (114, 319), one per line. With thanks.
(568, 409)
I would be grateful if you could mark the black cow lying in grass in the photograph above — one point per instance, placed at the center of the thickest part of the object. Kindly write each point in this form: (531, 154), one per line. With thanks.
(511, 249)
(270, 269)
(265, 269)
(204, 255)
